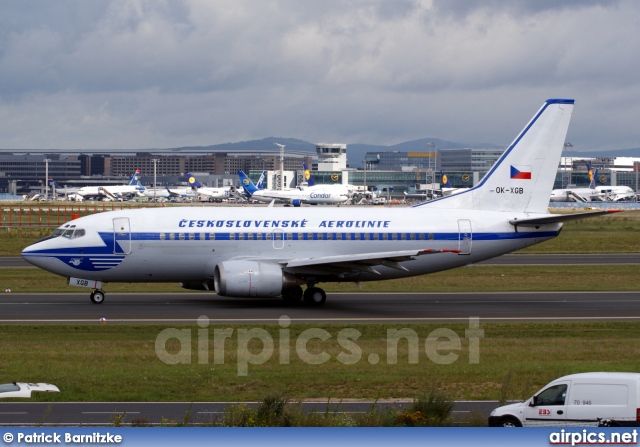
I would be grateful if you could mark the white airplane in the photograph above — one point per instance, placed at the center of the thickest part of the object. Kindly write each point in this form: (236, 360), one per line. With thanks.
(61, 190)
(445, 190)
(593, 193)
(340, 190)
(185, 192)
(272, 252)
(212, 193)
(312, 194)
(113, 192)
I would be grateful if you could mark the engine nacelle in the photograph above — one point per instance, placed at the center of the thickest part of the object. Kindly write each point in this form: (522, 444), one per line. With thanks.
(296, 202)
(250, 279)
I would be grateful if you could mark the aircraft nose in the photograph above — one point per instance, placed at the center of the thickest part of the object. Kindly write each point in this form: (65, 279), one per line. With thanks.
(33, 254)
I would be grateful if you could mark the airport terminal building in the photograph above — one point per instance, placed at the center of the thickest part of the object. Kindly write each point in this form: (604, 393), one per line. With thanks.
(389, 172)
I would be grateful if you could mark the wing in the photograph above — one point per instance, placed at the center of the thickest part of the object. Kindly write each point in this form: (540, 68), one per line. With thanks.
(358, 263)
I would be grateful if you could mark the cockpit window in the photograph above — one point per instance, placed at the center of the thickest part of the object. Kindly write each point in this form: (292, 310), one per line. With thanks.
(57, 232)
(68, 231)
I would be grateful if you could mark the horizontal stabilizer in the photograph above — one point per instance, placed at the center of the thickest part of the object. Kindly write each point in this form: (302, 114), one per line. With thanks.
(558, 218)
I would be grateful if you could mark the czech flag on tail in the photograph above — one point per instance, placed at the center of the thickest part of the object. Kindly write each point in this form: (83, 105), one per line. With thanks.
(521, 172)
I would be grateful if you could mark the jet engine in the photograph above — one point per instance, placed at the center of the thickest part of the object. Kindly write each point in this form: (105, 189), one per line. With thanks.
(296, 202)
(251, 279)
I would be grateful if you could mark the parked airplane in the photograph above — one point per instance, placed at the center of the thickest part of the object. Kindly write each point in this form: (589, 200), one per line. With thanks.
(445, 190)
(185, 192)
(341, 190)
(445, 187)
(113, 192)
(269, 252)
(593, 193)
(62, 190)
(312, 194)
(212, 193)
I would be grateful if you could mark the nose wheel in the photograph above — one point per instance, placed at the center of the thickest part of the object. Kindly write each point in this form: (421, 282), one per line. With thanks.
(97, 296)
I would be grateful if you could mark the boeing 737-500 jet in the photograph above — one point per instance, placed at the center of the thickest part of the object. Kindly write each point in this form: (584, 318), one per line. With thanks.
(269, 252)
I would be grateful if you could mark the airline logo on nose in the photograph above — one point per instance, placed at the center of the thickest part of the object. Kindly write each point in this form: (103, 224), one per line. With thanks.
(521, 172)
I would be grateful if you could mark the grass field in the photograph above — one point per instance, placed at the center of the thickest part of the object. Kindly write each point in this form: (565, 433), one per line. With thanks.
(119, 362)
(463, 279)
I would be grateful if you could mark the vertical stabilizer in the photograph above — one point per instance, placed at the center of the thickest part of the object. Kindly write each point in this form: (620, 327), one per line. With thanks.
(247, 184)
(307, 175)
(522, 179)
(193, 182)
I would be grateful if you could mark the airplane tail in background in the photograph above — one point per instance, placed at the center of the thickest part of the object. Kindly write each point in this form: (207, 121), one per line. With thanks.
(522, 179)
(193, 183)
(135, 178)
(307, 175)
(444, 180)
(592, 176)
(54, 183)
(247, 184)
(260, 184)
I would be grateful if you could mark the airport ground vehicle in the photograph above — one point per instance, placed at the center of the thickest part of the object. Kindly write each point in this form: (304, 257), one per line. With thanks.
(22, 389)
(586, 399)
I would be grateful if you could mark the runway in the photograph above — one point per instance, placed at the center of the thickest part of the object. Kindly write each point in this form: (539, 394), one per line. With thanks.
(512, 259)
(186, 307)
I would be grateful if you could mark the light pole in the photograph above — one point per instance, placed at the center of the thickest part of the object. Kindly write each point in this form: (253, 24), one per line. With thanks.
(636, 166)
(568, 146)
(433, 166)
(281, 146)
(46, 178)
(155, 163)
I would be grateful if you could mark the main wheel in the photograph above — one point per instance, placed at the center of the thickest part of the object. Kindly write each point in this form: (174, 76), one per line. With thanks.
(315, 296)
(292, 294)
(97, 296)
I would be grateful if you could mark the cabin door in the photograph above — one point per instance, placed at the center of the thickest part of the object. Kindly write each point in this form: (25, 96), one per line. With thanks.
(121, 236)
(465, 236)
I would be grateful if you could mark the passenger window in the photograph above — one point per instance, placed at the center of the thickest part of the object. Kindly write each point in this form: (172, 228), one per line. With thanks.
(554, 395)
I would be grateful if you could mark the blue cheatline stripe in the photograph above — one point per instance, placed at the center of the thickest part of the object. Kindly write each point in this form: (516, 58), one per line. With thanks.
(509, 149)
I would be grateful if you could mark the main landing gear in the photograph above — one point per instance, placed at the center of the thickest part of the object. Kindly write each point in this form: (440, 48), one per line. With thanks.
(97, 296)
(313, 296)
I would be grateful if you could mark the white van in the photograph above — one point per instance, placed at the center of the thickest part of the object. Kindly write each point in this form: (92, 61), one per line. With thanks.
(587, 399)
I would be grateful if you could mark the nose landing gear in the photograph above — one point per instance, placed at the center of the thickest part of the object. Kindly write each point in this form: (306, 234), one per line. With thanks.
(97, 296)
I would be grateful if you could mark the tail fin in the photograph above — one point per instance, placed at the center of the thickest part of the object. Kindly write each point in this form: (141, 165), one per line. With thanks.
(195, 184)
(247, 184)
(134, 178)
(260, 184)
(54, 183)
(592, 176)
(522, 179)
(444, 180)
(307, 175)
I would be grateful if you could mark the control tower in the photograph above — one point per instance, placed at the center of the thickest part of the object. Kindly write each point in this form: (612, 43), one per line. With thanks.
(331, 157)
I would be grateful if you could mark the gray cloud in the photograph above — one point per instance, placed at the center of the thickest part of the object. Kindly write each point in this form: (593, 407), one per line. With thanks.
(135, 74)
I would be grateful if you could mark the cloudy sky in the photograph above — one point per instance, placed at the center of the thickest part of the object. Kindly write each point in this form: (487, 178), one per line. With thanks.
(141, 74)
